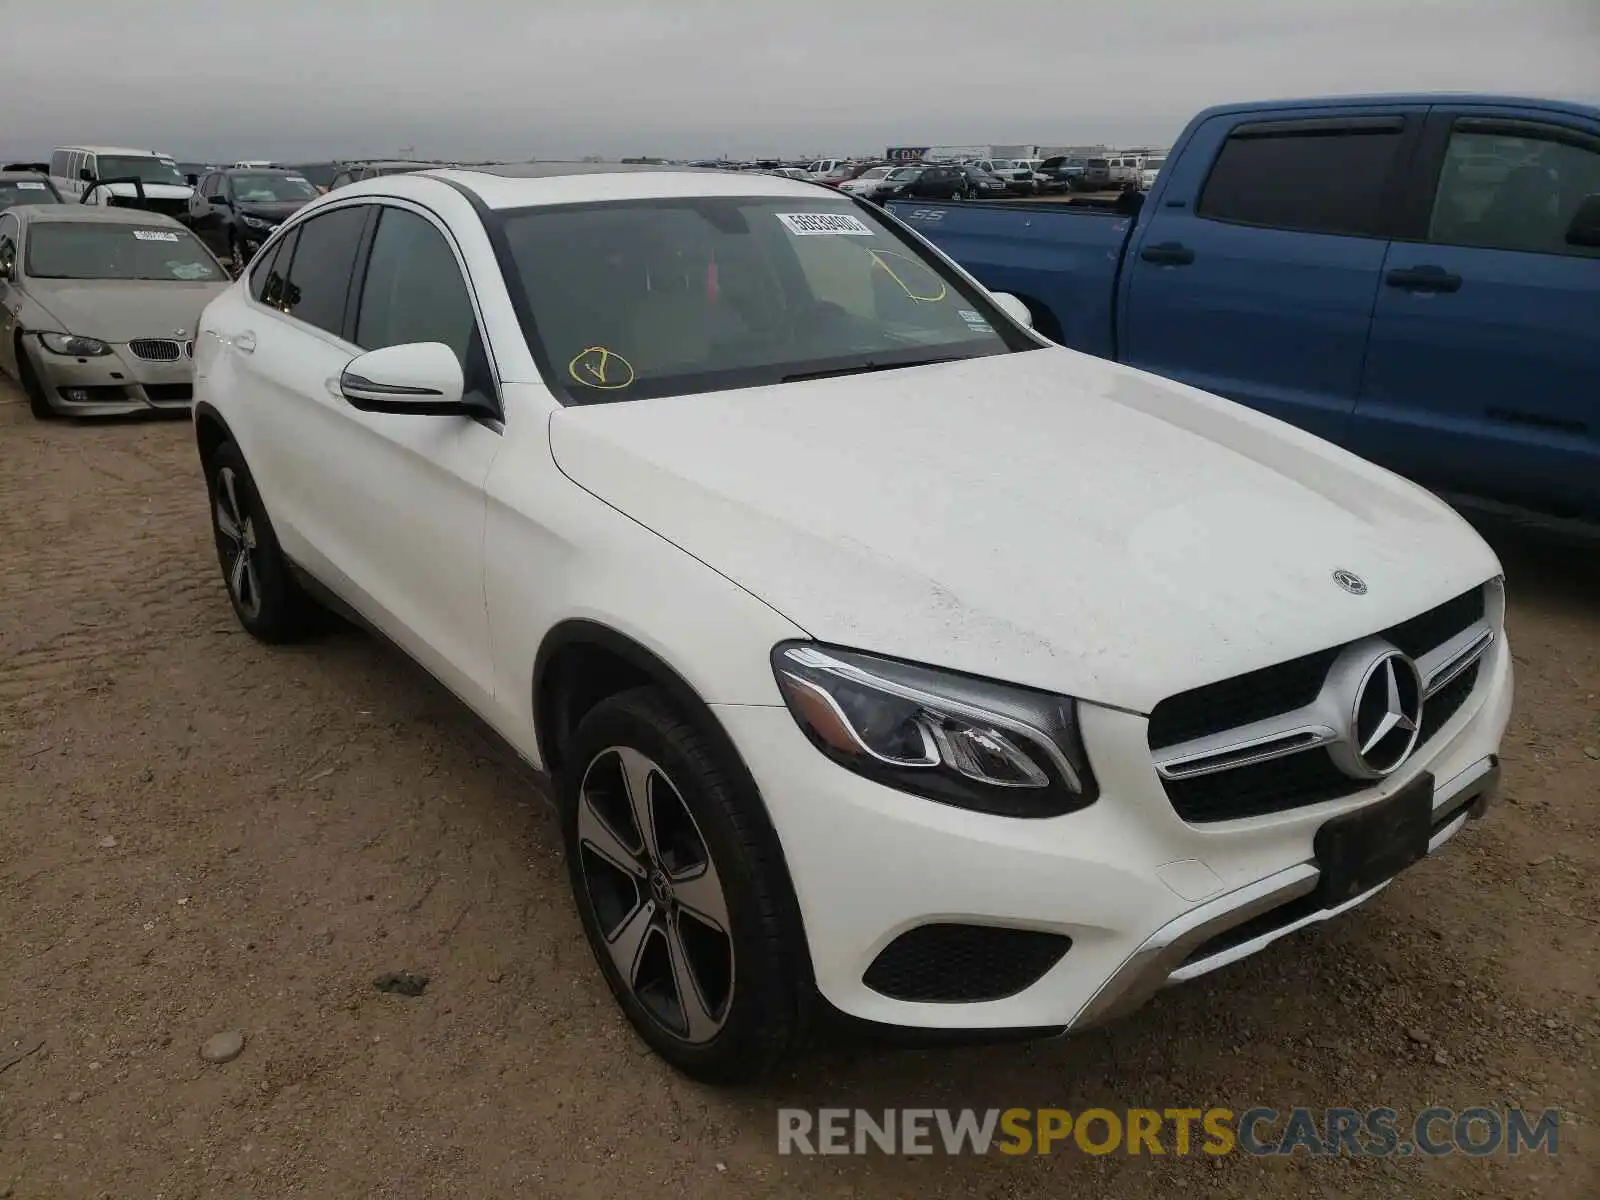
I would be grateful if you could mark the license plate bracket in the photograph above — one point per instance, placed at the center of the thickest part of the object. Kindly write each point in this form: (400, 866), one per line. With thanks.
(1359, 850)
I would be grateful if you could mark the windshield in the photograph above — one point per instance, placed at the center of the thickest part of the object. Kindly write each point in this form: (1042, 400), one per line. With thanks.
(91, 250)
(269, 188)
(145, 167)
(25, 191)
(876, 173)
(1003, 164)
(904, 173)
(636, 299)
(1099, 162)
(1154, 164)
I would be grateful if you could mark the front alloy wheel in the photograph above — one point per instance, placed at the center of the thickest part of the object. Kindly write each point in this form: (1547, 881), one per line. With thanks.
(682, 889)
(655, 893)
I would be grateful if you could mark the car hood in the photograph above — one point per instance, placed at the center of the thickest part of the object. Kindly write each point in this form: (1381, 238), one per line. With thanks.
(154, 191)
(1045, 518)
(119, 310)
(278, 210)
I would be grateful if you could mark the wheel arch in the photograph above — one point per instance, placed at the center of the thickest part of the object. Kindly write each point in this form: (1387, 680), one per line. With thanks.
(210, 431)
(582, 662)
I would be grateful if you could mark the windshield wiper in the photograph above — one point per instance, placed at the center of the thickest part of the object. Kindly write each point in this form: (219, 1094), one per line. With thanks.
(868, 366)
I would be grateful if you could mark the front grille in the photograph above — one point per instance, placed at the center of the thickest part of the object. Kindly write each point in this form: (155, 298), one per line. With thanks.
(1309, 777)
(156, 349)
(963, 964)
(168, 393)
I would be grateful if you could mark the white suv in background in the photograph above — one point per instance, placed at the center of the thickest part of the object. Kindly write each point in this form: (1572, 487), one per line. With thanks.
(885, 657)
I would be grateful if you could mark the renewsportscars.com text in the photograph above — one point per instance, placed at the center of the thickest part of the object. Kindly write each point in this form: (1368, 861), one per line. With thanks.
(1333, 1132)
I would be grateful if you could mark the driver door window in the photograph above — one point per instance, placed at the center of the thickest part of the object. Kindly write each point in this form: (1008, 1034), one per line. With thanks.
(414, 292)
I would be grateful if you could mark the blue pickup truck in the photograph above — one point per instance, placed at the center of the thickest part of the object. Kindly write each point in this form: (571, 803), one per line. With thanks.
(1414, 277)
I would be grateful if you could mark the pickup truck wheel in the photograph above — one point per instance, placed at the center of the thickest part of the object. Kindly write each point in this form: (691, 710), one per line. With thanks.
(38, 402)
(264, 594)
(677, 897)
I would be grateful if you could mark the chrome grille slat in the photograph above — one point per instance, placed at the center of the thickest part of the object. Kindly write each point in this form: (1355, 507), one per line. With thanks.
(156, 349)
(1215, 769)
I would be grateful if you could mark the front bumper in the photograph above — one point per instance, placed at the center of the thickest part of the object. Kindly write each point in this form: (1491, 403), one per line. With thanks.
(1145, 898)
(115, 384)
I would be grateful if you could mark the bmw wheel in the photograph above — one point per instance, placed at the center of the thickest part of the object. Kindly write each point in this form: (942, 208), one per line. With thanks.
(679, 891)
(38, 400)
(265, 597)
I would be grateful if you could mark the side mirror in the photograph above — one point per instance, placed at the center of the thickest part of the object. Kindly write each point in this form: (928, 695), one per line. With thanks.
(85, 174)
(192, 179)
(1585, 228)
(420, 378)
(1013, 308)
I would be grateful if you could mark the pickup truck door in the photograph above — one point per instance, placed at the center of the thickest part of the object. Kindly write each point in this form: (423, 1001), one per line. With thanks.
(1483, 369)
(1255, 269)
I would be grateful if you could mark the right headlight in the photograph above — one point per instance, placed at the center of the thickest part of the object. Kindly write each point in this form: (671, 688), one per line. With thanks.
(78, 347)
(972, 743)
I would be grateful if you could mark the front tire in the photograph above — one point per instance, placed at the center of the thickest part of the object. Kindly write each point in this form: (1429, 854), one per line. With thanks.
(265, 597)
(678, 891)
(236, 259)
(38, 401)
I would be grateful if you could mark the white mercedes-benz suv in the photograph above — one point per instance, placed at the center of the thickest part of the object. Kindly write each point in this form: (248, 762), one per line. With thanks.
(887, 659)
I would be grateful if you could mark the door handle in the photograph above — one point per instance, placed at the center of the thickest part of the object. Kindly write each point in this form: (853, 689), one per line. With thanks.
(245, 343)
(1168, 254)
(1423, 279)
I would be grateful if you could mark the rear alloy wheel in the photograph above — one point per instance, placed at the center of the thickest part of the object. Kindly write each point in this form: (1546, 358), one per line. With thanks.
(236, 259)
(682, 891)
(265, 597)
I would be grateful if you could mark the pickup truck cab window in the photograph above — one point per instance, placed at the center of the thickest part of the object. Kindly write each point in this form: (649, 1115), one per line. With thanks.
(1513, 189)
(1321, 178)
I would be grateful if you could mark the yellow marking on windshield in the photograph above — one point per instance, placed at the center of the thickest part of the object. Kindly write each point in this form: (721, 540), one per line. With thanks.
(598, 367)
(879, 256)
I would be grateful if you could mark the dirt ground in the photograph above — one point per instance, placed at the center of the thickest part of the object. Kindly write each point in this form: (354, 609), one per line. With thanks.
(198, 833)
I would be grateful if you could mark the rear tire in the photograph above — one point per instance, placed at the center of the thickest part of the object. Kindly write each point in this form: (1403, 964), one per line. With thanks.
(261, 587)
(664, 845)
(38, 402)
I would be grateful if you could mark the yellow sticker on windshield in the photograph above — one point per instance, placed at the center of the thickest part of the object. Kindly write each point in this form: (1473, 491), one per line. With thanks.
(597, 367)
(928, 291)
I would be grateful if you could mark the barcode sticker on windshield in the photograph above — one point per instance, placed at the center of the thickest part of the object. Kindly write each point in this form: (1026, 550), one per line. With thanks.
(155, 235)
(824, 224)
(28, 185)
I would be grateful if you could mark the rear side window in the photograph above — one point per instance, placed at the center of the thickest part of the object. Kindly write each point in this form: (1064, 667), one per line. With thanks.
(58, 164)
(1322, 180)
(1514, 186)
(319, 275)
(268, 277)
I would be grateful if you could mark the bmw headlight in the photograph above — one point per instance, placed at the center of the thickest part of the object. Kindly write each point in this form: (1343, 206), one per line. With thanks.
(256, 222)
(77, 347)
(972, 743)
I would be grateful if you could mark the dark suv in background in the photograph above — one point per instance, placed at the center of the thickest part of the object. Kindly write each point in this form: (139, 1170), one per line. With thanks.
(235, 210)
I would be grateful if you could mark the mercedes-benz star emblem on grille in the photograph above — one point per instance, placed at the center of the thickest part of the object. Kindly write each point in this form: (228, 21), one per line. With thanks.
(1387, 717)
(1350, 582)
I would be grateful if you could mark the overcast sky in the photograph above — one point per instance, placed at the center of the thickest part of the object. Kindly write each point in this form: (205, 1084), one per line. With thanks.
(291, 79)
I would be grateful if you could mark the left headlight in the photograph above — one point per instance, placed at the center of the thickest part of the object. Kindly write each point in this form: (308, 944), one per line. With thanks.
(972, 743)
(78, 347)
